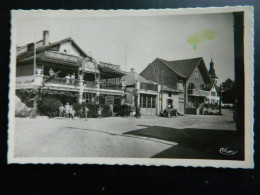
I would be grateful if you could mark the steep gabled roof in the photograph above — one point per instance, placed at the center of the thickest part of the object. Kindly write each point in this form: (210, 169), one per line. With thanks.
(45, 47)
(209, 86)
(184, 68)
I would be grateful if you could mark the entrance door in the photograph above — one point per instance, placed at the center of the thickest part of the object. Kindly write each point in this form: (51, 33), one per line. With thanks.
(148, 104)
(170, 102)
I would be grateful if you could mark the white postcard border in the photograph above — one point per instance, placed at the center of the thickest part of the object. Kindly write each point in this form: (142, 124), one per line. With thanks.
(249, 83)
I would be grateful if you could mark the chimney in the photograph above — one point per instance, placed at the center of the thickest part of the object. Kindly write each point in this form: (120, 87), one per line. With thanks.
(45, 37)
(132, 70)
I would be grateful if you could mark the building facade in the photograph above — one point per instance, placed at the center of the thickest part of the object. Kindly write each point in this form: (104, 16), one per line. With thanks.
(74, 70)
(188, 79)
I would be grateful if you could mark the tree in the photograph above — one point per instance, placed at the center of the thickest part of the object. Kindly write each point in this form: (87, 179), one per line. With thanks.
(227, 85)
(228, 91)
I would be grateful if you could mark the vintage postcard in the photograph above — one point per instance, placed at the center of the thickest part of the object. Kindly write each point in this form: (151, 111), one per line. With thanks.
(133, 87)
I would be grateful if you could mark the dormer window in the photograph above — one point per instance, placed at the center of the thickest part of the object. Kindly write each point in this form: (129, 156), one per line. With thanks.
(196, 73)
(154, 71)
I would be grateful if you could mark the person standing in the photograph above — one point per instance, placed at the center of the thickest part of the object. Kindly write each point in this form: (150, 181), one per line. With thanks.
(61, 110)
(67, 109)
(86, 113)
(111, 110)
(73, 112)
(70, 111)
(100, 109)
(73, 78)
(51, 72)
(67, 79)
(80, 113)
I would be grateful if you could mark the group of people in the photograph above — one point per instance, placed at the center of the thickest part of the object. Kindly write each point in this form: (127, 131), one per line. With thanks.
(70, 79)
(68, 112)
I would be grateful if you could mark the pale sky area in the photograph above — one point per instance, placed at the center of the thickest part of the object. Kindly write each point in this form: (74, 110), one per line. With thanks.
(145, 37)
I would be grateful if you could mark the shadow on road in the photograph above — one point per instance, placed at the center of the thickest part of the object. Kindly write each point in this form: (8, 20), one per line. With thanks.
(122, 135)
(196, 143)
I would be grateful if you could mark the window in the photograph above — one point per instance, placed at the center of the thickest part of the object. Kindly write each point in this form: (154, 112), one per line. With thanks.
(213, 93)
(169, 95)
(180, 84)
(196, 73)
(153, 102)
(154, 71)
(144, 101)
(192, 86)
(202, 86)
(89, 97)
(89, 66)
(65, 51)
(149, 101)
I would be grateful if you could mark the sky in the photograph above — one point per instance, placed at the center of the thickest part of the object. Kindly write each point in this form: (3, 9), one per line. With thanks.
(135, 41)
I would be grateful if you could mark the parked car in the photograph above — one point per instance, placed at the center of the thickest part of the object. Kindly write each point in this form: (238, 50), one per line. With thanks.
(169, 112)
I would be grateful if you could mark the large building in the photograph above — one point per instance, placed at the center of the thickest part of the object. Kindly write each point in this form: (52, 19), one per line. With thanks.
(186, 85)
(188, 81)
(77, 72)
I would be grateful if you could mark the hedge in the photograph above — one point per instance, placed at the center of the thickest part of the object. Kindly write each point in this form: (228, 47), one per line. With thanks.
(49, 106)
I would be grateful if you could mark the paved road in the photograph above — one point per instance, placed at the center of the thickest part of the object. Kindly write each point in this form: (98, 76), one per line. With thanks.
(183, 137)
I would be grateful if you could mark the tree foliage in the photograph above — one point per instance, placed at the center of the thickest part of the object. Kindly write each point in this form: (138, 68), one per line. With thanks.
(49, 106)
(228, 91)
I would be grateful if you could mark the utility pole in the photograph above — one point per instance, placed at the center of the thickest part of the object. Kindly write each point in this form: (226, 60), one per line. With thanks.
(162, 92)
(33, 114)
(34, 58)
(220, 99)
(125, 54)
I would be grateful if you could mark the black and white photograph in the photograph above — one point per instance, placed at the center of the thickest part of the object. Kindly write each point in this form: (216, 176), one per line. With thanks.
(147, 87)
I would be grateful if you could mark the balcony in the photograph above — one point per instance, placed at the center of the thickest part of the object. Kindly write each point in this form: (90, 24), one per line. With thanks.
(111, 66)
(146, 86)
(60, 56)
(86, 84)
(90, 84)
(62, 81)
(202, 93)
(111, 86)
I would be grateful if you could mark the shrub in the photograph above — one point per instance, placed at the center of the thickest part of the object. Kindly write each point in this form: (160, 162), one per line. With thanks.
(26, 97)
(122, 110)
(49, 106)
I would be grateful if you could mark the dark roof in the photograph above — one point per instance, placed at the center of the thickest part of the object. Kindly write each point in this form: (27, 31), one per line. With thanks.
(210, 85)
(131, 77)
(45, 47)
(184, 68)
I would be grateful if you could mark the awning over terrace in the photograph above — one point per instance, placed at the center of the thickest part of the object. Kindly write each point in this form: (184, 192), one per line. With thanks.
(109, 70)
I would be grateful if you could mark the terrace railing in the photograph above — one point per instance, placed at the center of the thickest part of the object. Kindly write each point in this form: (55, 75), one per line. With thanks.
(87, 84)
(111, 86)
(90, 84)
(198, 92)
(63, 81)
(112, 66)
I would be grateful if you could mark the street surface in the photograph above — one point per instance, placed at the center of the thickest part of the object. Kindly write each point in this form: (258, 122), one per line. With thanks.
(187, 136)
